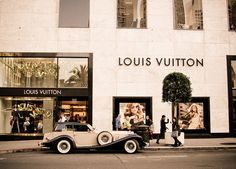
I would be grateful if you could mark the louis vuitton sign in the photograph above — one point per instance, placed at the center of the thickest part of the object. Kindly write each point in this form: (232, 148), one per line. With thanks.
(161, 62)
(41, 92)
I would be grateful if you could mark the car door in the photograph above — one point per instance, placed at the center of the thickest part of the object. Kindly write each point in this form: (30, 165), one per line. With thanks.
(84, 136)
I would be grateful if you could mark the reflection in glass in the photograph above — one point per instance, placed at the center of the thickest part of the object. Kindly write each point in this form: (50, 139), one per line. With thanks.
(74, 13)
(29, 72)
(232, 14)
(188, 14)
(73, 72)
(43, 72)
(131, 13)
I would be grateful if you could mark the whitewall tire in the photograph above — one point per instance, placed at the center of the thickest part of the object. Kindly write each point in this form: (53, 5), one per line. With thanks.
(104, 138)
(64, 146)
(131, 146)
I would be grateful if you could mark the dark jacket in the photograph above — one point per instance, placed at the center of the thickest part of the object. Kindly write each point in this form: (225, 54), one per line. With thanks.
(163, 125)
(176, 127)
(149, 122)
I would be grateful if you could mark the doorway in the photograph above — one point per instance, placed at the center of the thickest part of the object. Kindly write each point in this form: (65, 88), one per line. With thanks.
(74, 109)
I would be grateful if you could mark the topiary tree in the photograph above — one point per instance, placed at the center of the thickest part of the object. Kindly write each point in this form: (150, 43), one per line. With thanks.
(176, 88)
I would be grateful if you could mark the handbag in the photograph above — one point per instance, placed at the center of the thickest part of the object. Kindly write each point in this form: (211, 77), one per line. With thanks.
(174, 134)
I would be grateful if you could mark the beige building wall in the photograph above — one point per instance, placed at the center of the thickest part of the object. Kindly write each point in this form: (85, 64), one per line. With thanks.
(32, 26)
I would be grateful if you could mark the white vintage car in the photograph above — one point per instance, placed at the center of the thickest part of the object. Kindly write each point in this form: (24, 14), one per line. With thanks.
(68, 136)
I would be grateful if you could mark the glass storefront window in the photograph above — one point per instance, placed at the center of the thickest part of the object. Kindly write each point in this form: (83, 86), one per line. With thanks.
(26, 115)
(232, 14)
(233, 74)
(131, 112)
(74, 14)
(131, 14)
(44, 72)
(37, 89)
(188, 14)
(28, 72)
(73, 72)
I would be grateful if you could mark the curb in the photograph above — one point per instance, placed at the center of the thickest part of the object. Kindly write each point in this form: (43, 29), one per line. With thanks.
(189, 148)
(19, 150)
(151, 148)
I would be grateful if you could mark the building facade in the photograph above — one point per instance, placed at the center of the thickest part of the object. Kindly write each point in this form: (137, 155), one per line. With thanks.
(103, 62)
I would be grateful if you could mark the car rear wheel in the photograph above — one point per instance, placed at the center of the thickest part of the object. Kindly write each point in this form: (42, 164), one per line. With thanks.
(104, 138)
(64, 146)
(131, 146)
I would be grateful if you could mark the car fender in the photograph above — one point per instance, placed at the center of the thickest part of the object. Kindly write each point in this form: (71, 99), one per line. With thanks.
(117, 144)
(55, 140)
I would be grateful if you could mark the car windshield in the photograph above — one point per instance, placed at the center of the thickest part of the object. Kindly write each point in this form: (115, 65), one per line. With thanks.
(90, 127)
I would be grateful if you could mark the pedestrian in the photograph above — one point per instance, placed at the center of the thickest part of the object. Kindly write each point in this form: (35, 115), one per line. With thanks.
(150, 128)
(163, 128)
(62, 117)
(117, 122)
(175, 132)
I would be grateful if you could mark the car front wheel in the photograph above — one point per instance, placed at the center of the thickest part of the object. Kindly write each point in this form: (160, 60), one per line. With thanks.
(131, 146)
(64, 146)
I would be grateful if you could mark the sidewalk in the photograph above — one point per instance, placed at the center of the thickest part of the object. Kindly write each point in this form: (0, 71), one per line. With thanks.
(190, 144)
(197, 144)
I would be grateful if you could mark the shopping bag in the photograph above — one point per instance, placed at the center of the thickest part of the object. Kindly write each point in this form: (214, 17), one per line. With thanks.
(174, 134)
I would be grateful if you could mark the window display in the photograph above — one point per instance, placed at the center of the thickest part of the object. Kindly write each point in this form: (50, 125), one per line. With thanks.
(188, 14)
(29, 72)
(191, 115)
(37, 89)
(232, 14)
(233, 74)
(130, 113)
(73, 72)
(44, 72)
(131, 14)
(194, 115)
(28, 116)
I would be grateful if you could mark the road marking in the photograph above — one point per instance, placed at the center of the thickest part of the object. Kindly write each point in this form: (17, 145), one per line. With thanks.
(169, 156)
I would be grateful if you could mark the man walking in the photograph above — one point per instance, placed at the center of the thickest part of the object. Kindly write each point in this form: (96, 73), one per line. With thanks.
(163, 128)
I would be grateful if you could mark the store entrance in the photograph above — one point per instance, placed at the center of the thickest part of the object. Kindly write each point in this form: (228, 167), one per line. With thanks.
(37, 115)
(72, 109)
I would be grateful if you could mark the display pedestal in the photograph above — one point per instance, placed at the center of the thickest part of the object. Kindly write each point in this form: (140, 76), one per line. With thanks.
(170, 140)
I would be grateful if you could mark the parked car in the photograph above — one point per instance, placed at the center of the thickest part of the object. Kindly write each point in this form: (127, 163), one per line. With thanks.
(68, 136)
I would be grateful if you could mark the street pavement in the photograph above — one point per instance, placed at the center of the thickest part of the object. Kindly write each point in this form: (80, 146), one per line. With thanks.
(189, 144)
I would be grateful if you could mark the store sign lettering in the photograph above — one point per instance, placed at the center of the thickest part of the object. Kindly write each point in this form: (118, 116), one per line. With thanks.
(42, 92)
(167, 62)
(35, 111)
